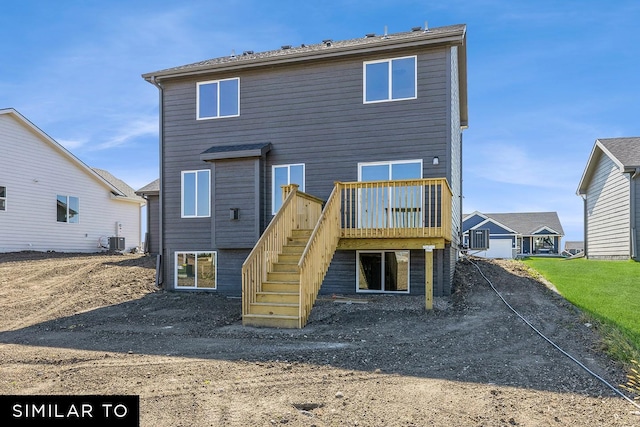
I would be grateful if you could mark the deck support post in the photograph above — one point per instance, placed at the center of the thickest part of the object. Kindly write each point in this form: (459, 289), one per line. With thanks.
(428, 276)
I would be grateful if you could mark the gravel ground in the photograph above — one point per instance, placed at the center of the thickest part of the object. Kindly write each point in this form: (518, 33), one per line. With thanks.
(94, 324)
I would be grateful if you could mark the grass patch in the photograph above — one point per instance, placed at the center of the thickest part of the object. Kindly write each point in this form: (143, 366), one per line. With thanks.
(606, 290)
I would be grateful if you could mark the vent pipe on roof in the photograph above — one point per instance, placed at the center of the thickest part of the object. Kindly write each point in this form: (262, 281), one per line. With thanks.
(426, 26)
(386, 33)
(327, 42)
(233, 53)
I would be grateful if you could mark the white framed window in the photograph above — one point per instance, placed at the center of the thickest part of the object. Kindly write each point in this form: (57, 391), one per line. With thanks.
(196, 270)
(285, 175)
(196, 194)
(390, 79)
(3, 198)
(68, 209)
(218, 98)
(383, 271)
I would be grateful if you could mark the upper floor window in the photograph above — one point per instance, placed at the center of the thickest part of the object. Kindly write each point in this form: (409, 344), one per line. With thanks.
(218, 98)
(196, 194)
(390, 79)
(68, 209)
(285, 175)
(3, 198)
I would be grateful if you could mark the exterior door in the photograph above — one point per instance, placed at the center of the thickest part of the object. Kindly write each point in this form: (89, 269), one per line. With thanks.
(384, 206)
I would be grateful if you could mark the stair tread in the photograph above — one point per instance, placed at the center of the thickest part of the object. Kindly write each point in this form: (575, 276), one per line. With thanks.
(272, 316)
(276, 304)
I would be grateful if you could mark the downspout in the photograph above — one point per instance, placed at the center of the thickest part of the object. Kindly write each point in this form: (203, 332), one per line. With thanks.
(634, 201)
(159, 263)
(584, 220)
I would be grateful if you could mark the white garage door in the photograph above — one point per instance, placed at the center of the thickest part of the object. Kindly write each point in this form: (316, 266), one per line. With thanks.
(498, 248)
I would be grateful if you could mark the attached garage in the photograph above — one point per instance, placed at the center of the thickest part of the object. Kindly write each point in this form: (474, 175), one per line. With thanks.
(498, 248)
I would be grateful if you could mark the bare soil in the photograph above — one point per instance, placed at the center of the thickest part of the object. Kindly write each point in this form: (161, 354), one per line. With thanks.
(95, 324)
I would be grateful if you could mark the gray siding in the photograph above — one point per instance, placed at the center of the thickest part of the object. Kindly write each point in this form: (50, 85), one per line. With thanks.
(608, 212)
(153, 224)
(313, 114)
(236, 184)
(341, 277)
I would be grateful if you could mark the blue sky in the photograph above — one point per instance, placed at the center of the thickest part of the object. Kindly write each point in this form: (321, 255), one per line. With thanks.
(546, 78)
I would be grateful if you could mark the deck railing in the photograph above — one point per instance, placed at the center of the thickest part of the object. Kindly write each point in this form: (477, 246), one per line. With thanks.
(399, 208)
(298, 211)
(317, 255)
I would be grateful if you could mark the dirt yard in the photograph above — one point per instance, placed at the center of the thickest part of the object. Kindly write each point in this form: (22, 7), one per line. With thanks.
(78, 324)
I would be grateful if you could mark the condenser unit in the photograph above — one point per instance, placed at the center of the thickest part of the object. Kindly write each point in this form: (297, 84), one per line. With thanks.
(479, 239)
(116, 243)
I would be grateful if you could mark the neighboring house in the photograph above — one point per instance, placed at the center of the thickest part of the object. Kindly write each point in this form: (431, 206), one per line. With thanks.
(513, 234)
(573, 247)
(370, 128)
(151, 193)
(51, 201)
(610, 189)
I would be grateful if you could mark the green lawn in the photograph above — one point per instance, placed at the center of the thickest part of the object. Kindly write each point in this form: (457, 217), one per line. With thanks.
(607, 290)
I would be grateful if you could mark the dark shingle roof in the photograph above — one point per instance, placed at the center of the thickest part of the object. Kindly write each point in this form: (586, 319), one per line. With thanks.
(151, 188)
(625, 150)
(219, 152)
(119, 184)
(452, 33)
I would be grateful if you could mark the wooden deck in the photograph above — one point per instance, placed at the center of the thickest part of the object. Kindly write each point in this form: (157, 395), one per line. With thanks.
(292, 256)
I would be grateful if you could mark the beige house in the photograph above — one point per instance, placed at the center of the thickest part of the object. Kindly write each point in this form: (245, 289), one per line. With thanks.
(611, 194)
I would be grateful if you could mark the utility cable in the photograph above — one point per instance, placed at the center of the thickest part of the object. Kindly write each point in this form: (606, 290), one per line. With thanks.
(582, 365)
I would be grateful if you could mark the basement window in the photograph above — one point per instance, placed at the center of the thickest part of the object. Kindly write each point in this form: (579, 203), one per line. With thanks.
(3, 198)
(196, 270)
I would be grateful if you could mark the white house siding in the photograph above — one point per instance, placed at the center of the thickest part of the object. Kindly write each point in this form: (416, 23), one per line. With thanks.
(608, 212)
(34, 173)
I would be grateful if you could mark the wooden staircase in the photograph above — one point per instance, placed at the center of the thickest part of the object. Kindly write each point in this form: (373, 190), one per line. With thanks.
(277, 304)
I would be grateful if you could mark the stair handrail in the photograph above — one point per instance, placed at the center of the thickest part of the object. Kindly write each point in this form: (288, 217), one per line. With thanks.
(318, 253)
(261, 258)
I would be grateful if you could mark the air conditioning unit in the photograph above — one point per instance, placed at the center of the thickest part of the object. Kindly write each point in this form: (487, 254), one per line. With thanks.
(116, 243)
(479, 239)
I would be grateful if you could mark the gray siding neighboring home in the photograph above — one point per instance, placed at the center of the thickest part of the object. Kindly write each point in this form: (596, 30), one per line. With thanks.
(611, 193)
(52, 201)
(514, 234)
(151, 193)
(233, 129)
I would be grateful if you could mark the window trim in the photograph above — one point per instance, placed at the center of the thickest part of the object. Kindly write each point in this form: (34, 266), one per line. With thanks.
(278, 192)
(390, 89)
(382, 265)
(218, 116)
(196, 253)
(390, 163)
(67, 204)
(195, 172)
(3, 199)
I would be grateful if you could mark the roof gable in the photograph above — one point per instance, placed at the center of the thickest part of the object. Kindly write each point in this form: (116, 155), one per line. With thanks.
(522, 223)
(624, 152)
(46, 139)
(470, 221)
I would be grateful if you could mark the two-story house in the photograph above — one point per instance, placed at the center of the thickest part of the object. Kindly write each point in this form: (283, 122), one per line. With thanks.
(334, 167)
